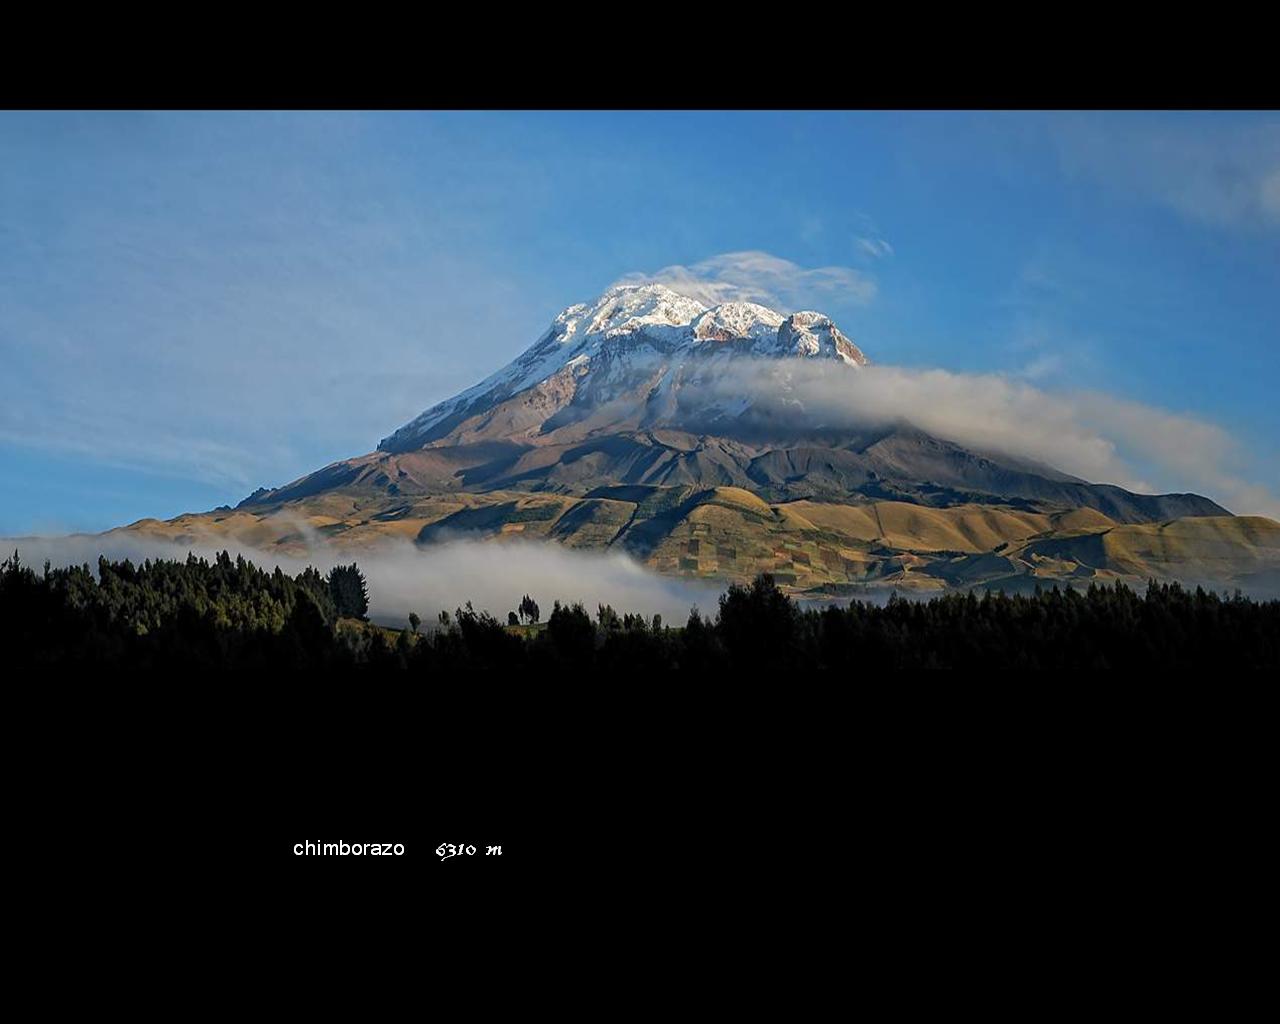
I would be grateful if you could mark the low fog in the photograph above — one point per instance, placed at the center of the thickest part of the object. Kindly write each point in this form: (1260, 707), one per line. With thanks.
(403, 578)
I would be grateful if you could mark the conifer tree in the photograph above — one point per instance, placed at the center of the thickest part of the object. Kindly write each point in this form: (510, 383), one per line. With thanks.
(348, 590)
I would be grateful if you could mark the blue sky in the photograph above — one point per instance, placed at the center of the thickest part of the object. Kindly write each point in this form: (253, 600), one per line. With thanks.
(193, 305)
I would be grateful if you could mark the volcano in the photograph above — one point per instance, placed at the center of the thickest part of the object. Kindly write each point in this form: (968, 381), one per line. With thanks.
(617, 429)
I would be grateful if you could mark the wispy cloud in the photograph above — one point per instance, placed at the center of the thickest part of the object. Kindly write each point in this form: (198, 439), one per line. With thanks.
(1217, 172)
(876, 248)
(1047, 364)
(755, 276)
(228, 300)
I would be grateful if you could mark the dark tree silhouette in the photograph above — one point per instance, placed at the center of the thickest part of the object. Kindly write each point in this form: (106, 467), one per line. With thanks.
(571, 634)
(227, 615)
(759, 625)
(529, 609)
(607, 617)
(347, 587)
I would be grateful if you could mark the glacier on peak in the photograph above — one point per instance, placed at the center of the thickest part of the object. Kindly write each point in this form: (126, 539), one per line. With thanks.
(634, 336)
(732, 320)
(629, 307)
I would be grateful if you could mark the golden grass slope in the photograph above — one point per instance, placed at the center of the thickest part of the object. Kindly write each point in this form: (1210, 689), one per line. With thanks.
(966, 528)
(1202, 548)
(727, 533)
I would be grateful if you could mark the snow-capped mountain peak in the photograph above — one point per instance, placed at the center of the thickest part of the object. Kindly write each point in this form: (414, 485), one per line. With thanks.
(634, 341)
(733, 320)
(631, 307)
(810, 334)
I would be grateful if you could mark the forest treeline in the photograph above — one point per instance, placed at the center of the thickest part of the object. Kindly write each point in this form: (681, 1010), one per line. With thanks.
(228, 614)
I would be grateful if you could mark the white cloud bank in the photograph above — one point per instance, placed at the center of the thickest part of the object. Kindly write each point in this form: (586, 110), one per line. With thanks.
(1095, 436)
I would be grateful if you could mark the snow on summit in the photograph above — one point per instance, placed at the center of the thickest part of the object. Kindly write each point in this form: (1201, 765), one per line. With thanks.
(733, 320)
(633, 336)
(630, 307)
